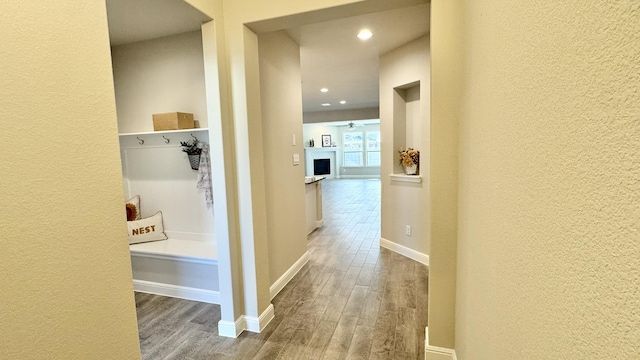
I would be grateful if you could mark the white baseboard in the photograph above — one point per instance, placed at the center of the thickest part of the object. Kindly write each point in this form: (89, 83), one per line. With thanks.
(405, 251)
(181, 292)
(319, 223)
(231, 329)
(435, 352)
(288, 275)
(190, 236)
(248, 323)
(360, 176)
(257, 324)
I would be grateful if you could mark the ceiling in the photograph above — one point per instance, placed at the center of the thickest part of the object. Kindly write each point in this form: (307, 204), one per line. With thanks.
(331, 54)
(137, 20)
(333, 57)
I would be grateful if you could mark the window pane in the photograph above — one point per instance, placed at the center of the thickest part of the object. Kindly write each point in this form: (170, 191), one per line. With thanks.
(373, 141)
(353, 159)
(352, 141)
(373, 158)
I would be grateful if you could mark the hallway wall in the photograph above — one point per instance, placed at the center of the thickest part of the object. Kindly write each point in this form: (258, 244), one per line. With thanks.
(66, 275)
(159, 76)
(549, 193)
(405, 203)
(280, 81)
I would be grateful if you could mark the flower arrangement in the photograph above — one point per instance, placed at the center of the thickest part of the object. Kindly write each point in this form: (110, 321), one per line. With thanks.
(409, 157)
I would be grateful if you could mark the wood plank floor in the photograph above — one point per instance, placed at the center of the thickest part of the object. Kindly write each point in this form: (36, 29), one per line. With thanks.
(353, 300)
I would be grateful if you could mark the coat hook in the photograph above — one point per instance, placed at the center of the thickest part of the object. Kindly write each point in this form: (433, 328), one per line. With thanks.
(166, 141)
(140, 141)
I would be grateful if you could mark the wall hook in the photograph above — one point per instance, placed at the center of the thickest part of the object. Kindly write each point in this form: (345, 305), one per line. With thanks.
(166, 141)
(140, 141)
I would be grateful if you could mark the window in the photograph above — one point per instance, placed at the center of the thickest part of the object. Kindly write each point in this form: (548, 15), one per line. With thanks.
(373, 148)
(373, 158)
(360, 147)
(352, 143)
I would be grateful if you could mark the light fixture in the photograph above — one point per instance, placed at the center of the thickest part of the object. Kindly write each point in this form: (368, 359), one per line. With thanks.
(343, 102)
(326, 104)
(351, 126)
(365, 34)
(324, 90)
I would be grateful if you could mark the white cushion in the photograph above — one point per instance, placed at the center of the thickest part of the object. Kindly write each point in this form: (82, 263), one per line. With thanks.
(147, 229)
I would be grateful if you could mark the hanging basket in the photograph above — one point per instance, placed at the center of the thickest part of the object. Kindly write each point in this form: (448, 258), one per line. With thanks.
(194, 161)
(411, 170)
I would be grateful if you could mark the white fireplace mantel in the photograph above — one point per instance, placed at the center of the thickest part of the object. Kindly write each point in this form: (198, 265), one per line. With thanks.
(312, 153)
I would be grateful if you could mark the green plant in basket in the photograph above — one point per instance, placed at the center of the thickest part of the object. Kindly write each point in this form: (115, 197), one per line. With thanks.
(191, 147)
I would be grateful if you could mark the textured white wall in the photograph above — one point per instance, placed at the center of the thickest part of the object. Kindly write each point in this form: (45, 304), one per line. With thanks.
(315, 132)
(405, 203)
(447, 75)
(282, 118)
(549, 244)
(66, 275)
(159, 76)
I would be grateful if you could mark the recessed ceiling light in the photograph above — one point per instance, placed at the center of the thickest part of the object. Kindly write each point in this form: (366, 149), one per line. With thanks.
(342, 102)
(326, 104)
(324, 90)
(365, 34)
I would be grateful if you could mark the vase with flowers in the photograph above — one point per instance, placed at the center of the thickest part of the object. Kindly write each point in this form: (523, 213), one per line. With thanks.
(410, 159)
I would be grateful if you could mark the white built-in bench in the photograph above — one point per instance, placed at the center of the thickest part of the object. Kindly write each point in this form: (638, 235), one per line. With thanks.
(186, 269)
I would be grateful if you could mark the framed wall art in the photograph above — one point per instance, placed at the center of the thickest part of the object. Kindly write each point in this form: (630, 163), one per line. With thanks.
(326, 140)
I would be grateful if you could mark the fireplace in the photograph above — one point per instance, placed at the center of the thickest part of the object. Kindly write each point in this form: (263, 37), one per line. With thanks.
(321, 166)
(327, 161)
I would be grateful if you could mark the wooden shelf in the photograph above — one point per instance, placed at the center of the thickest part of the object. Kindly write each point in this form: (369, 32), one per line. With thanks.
(406, 178)
(163, 132)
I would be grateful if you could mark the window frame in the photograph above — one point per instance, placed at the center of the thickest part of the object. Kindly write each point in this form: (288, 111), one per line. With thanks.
(350, 150)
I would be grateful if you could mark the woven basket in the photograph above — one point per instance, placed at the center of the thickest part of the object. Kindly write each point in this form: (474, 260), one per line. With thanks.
(194, 161)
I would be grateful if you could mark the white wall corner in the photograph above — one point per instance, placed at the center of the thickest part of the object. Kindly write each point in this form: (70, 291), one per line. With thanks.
(405, 251)
(257, 324)
(436, 352)
(232, 329)
(288, 275)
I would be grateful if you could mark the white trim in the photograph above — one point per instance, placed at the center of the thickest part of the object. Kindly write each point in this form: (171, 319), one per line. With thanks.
(190, 236)
(163, 132)
(231, 329)
(249, 323)
(179, 249)
(178, 258)
(258, 324)
(403, 250)
(406, 178)
(176, 291)
(343, 176)
(440, 352)
(288, 275)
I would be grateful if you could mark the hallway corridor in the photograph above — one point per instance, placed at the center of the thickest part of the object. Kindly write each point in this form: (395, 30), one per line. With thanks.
(353, 300)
